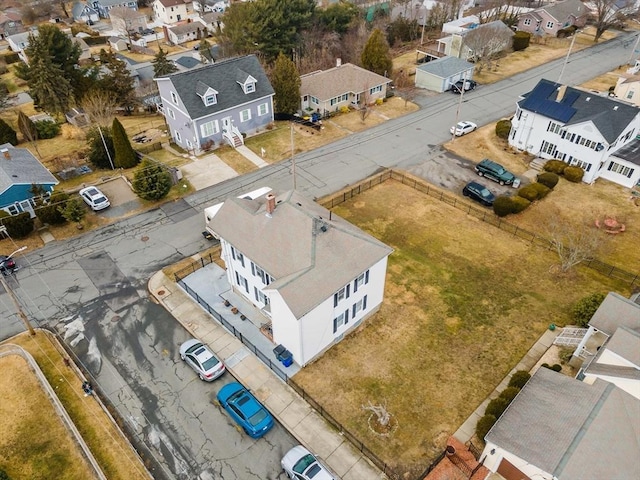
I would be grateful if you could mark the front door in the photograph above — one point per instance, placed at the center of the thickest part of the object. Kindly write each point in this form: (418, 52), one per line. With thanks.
(226, 124)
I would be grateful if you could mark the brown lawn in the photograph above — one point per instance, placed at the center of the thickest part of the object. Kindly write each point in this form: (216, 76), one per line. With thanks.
(464, 302)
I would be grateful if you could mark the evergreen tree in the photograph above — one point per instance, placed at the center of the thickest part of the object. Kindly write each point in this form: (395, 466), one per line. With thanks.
(285, 80)
(376, 56)
(338, 16)
(118, 81)
(7, 134)
(151, 181)
(53, 75)
(162, 65)
(72, 210)
(125, 156)
(98, 156)
(49, 212)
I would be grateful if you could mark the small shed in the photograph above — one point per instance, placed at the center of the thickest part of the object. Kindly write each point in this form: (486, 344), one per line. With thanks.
(118, 44)
(438, 75)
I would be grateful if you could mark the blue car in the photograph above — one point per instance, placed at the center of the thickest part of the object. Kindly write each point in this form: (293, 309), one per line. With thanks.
(245, 409)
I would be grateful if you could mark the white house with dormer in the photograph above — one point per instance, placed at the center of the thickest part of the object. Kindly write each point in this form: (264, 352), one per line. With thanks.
(172, 11)
(314, 276)
(582, 128)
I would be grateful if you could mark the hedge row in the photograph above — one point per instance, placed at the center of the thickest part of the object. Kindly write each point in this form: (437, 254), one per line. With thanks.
(573, 174)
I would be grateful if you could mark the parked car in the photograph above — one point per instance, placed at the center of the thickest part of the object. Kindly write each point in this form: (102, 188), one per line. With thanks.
(468, 85)
(148, 31)
(462, 128)
(247, 412)
(495, 172)
(7, 265)
(93, 197)
(300, 464)
(199, 357)
(478, 192)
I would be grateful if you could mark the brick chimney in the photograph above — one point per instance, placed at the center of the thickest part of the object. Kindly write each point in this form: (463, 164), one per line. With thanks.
(338, 62)
(5, 152)
(271, 203)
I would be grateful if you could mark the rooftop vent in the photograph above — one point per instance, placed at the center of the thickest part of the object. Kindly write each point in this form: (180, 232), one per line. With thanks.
(6, 153)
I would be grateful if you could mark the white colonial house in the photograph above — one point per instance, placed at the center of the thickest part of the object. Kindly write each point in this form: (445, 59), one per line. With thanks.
(314, 276)
(558, 428)
(581, 128)
(172, 11)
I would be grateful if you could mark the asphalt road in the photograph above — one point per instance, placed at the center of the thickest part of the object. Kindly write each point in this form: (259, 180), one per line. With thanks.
(92, 289)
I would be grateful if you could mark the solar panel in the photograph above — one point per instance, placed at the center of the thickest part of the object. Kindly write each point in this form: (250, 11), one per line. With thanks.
(570, 97)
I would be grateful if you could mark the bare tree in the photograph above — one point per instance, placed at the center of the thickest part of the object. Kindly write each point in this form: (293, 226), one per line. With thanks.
(100, 106)
(379, 411)
(610, 13)
(574, 241)
(486, 41)
(404, 85)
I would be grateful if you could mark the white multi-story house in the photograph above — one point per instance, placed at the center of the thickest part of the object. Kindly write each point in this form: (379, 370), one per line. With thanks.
(314, 276)
(172, 11)
(595, 132)
(103, 7)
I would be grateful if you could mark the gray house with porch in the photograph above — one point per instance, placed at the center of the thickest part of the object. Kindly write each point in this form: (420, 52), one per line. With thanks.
(216, 104)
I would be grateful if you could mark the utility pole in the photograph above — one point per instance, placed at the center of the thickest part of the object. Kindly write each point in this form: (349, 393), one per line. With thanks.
(16, 304)
(293, 161)
(566, 59)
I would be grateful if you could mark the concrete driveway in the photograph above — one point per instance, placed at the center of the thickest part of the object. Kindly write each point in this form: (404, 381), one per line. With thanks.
(123, 201)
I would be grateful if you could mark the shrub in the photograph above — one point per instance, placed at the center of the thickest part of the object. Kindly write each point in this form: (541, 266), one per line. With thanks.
(521, 40)
(566, 32)
(519, 379)
(73, 210)
(509, 393)
(344, 109)
(584, 308)
(548, 179)
(541, 189)
(496, 407)
(555, 166)
(528, 192)
(4, 475)
(11, 57)
(47, 129)
(49, 213)
(18, 226)
(151, 181)
(573, 174)
(519, 204)
(502, 206)
(7, 134)
(484, 425)
(503, 127)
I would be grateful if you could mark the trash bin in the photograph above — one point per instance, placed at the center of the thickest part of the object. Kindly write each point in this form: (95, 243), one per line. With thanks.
(283, 355)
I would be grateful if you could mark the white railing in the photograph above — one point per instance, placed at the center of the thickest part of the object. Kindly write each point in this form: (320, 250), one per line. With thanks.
(570, 336)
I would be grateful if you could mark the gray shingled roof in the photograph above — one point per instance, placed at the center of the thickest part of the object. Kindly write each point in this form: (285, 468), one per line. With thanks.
(610, 116)
(328, 84)
(571, 429)
(445, 67)
(22, 169)
(309, 264)
(221, 77)
(561, 10)
(190, 27)
(626, 343)
(616, 311)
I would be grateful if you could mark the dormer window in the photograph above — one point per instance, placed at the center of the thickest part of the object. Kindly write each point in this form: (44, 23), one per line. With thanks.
(246, 81)
(250, 87)
(208, 95)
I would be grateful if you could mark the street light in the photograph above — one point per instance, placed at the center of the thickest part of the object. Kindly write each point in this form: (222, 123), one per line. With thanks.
(16, 304)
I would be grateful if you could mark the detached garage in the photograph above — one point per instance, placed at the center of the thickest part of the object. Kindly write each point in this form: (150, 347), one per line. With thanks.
(439, 75)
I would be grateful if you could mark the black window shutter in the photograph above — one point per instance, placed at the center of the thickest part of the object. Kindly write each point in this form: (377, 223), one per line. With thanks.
(335, 325)
(335, 301)
(355, 285)
(346, 316)
(348, 290)
(366, 277)
(364, 303)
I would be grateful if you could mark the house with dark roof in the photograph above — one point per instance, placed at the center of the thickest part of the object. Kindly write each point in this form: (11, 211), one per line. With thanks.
(550, 18)
(84, 12)
(344, 85)
(10, 24)
(581, 128)
(562, 429)
(455, 46)
(19, 171)
(438, 75)
(294, 261)
(216, 103)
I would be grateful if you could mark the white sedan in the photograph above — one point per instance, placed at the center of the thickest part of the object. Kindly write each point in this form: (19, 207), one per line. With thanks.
(300, 464)
(93, 197)
(462, 128)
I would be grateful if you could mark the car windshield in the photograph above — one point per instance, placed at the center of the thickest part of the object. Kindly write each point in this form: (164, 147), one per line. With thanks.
(257, 417)
(302, 464)
(485, 193)
(210, 363)
(100, 199)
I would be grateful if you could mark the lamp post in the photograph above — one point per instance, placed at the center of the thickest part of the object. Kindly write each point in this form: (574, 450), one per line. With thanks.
(16, 304)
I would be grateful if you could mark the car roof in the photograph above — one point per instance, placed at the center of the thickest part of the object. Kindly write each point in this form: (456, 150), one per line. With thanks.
(93, 191)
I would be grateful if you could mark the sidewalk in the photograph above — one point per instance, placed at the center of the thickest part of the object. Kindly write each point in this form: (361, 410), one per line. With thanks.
(288, 407)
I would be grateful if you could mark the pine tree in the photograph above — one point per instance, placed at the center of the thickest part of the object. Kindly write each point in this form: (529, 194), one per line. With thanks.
(73, 210)
(151, 181)
(118, 82)
(162, 65)
(7, 134)
(376, 56)
(98, 156)
(125, 156)
(285, 80)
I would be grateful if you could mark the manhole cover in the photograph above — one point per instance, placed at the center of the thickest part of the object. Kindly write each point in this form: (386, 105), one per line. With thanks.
(115, 318)
(144, 238)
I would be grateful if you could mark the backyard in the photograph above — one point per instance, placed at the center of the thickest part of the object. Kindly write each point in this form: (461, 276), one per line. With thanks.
(464, 301)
